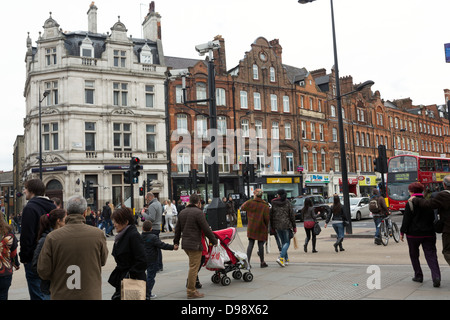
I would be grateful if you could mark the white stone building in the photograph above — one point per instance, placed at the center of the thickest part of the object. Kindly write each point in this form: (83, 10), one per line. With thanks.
(105, 104)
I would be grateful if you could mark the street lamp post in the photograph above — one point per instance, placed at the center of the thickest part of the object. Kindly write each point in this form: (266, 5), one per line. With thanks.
(345, 188)
(46, 93)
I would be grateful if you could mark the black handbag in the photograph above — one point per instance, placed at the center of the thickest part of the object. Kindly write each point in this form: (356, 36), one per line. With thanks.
(317, 228)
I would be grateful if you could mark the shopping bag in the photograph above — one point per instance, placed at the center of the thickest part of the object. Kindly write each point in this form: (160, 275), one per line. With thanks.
(132, 289)
(217, 258)
(295, 243)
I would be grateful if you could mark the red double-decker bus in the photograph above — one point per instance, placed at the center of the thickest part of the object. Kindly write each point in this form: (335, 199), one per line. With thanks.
(406, 169)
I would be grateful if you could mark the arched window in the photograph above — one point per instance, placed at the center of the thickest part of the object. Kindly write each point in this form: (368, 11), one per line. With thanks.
(183, 160)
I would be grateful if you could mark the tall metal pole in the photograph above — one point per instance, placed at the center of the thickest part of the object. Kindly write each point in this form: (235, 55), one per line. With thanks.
(345, 189)
(216, 210)
(40, 136)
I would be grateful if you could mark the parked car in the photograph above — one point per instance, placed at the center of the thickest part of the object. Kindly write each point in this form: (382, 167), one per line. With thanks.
(359, 208)
(330, 199)
(318, 203)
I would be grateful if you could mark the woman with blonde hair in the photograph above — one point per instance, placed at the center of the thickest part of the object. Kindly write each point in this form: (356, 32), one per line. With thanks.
(168, 211)
(8, 257)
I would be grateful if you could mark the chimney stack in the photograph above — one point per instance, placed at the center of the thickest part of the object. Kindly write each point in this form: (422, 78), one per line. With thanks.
(152, 24)
(92, 18)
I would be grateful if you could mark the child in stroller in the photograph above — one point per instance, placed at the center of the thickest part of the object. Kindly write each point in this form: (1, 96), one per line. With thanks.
(235, 261)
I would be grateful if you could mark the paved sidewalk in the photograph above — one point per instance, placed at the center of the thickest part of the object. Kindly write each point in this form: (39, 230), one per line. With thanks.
(309, 276)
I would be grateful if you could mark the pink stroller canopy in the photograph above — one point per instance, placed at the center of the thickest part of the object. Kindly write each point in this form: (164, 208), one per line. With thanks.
(226, 236)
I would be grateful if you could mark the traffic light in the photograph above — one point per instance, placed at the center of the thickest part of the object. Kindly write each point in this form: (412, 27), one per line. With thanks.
(127, 177)
(382, 165)
(134, 168)
(246, 173)
(141, 191)
(251, 173)
(194, 178)
(149, 184)
(376, 165)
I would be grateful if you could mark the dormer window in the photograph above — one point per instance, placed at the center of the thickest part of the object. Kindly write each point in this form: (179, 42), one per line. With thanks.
(146, 55)
(87, 48)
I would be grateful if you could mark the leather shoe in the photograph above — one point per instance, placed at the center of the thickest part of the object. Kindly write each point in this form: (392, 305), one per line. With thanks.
(436, 283)
(196, 295)
(416, 279)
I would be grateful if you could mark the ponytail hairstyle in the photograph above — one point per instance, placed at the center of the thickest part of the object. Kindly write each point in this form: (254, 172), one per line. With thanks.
(48, 221)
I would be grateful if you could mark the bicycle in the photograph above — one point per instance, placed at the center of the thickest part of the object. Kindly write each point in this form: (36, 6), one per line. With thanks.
(388, 229)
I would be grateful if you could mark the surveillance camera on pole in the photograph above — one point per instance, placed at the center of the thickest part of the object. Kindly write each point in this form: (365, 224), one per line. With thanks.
(207, 47)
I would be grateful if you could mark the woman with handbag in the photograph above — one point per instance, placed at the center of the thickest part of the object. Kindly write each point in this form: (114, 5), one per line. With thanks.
(309, 220)
(337, 215)
(128, 252)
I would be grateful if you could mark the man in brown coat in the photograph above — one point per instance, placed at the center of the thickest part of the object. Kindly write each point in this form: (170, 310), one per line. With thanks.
(72, 256)
(191, 224)
(258, 224)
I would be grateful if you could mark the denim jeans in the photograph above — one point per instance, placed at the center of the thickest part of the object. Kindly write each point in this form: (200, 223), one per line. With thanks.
(34, 283)
(108, 226)
(339, 229)
(377, 221)
(151, 274)
(283, 235)
(5, 283)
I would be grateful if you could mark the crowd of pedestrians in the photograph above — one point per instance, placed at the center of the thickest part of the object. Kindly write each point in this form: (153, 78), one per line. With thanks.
(63, 249)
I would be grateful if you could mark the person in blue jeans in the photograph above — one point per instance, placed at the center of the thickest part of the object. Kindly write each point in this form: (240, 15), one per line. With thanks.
(337, 216)
(282, 221)
(152, 243)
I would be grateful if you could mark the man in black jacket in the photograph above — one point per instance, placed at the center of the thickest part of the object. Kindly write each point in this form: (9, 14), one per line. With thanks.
(441, 202)
(37, 205)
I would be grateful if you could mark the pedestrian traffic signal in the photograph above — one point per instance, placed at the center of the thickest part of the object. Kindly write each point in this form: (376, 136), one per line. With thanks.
(134, 168)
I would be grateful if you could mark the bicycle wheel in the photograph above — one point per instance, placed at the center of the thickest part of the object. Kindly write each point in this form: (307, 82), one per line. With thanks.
(384, 233)
(395, 232)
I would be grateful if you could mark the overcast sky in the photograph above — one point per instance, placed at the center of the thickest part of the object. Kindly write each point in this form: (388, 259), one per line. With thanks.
(398, 44)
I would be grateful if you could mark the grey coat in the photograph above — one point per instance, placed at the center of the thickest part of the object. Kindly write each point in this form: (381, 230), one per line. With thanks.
(154, 214)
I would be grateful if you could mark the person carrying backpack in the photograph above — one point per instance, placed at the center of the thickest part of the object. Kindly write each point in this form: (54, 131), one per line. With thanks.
(377, 205)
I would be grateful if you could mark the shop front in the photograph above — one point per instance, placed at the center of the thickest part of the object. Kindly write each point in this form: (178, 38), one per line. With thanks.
(367, 184)
(271, 185)
(352, 185)
(317, 184)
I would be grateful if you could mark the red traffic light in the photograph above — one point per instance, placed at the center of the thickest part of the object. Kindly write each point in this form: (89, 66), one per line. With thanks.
(135, 160)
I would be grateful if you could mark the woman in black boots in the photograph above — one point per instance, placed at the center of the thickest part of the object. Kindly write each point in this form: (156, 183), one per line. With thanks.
(337, 215)
(309, 220)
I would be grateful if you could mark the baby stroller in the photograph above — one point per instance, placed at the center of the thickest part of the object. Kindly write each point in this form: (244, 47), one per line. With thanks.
(237, 261)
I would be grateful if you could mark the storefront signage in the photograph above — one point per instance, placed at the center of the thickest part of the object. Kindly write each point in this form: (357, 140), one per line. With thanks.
(317, 178)
(367, 180)
(279, 180)
(350, 181)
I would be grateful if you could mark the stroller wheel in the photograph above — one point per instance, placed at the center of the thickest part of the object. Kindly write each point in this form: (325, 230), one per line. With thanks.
(225, 281)
(237, 275)
(248, 277)
(215, 278)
